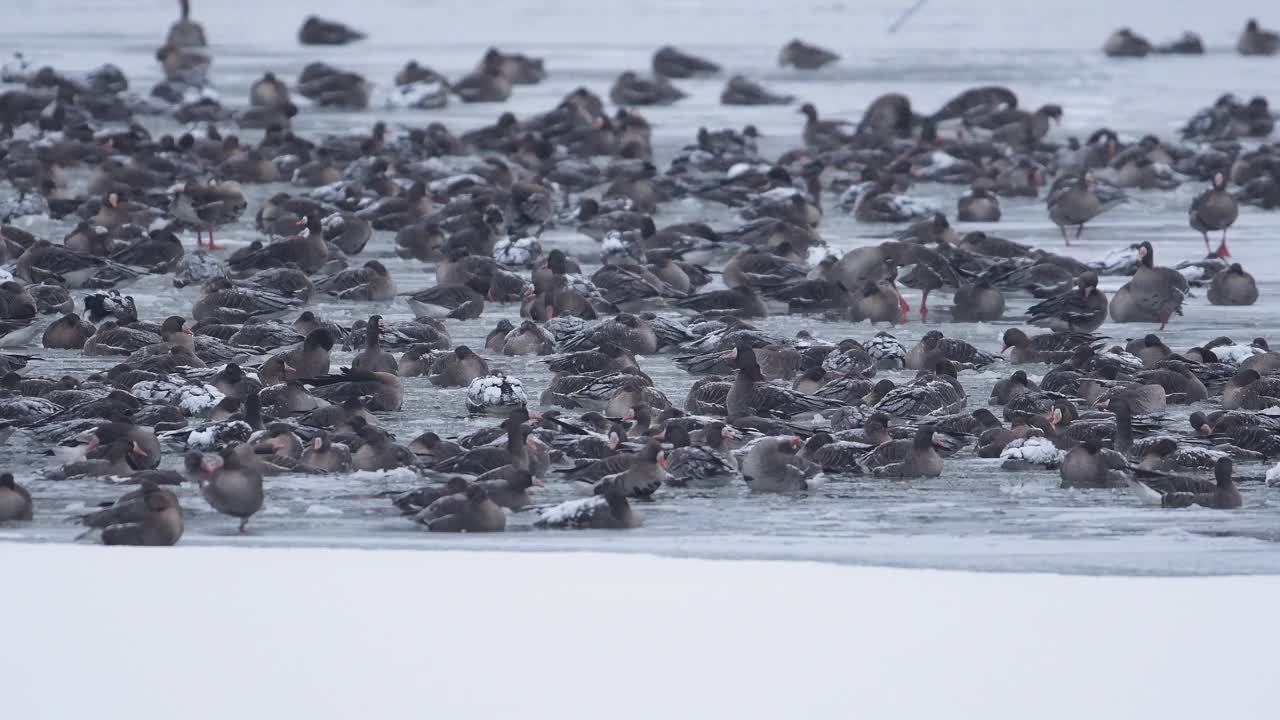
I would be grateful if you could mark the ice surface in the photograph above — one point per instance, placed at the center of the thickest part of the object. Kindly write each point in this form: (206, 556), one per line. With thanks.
(219, 633)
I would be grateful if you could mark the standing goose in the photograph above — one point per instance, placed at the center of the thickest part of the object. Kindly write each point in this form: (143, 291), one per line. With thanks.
(1233, 286)
(905, 458)
(15, 501)
(232, 487)
(1153, 295)
(1214, 209)
(185, 32)
(149, 515)
(1077, 199)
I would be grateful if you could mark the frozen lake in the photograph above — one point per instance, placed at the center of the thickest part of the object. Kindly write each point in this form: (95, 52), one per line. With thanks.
(973, 517)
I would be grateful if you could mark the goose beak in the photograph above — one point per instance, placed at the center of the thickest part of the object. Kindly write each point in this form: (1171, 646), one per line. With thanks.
(662, 459)
(534, 415)
(726, 433)
(538, 483)
(301, 222)
(796, 442)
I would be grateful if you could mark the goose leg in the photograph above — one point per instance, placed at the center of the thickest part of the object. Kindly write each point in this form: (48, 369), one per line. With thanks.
(1063, 229)
(1079, 230)
(924, 306)
(1222, 248)
(1206, 240)
(244, 523)
(211, 245)
(199, 238)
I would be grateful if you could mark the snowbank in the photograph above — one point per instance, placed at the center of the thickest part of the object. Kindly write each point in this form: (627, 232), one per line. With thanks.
(284, 633)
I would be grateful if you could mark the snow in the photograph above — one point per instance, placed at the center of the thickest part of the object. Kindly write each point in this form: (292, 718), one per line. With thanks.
(257, 633)
(1236, 354)
(568, 511)
(1032, 450)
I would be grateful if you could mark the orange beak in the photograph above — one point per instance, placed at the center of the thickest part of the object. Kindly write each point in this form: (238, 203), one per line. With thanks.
(662, 459)
(726, 433)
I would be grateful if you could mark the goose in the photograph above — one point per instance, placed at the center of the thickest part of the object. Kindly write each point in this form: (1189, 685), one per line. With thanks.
(457, 369)
(771, 465)
(318, 31)
(704, 465)
(1233, 286)
(1256, 41)
(373, 358)
(383, 388)
(1081, 310)
(1214, 209)
(15, 501)
(609, 510)
(1153, 295)
(1222, 496)
(803, 56)
(905, 459)
(1125, 43)
(1077, 199)
(1089, 465)
(495, 394)
(672, 63)
(740, 90)
(471, 511)
(185, 32)
(150, 515)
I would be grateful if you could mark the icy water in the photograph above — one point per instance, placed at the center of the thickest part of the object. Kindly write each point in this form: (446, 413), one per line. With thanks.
(975, 516)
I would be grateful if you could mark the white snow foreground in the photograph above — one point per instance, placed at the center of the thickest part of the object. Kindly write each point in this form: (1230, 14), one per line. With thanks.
(222, 633)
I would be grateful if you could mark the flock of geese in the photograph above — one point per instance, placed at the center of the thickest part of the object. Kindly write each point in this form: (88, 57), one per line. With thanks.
(244, 385)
